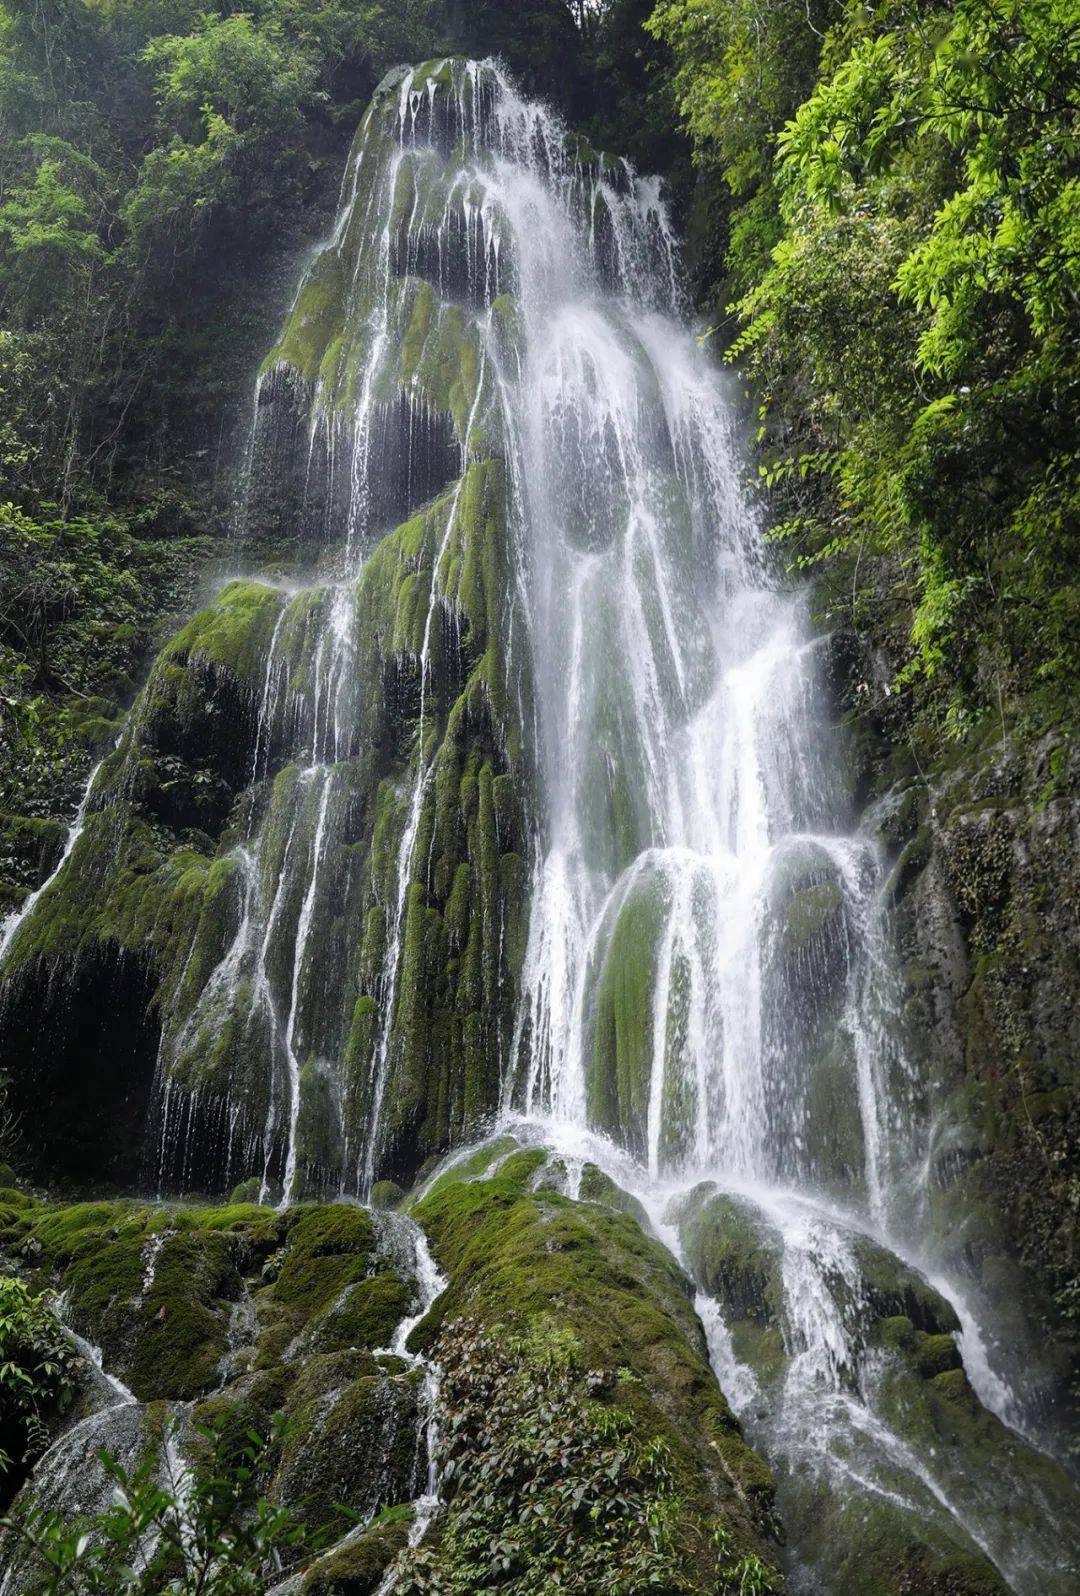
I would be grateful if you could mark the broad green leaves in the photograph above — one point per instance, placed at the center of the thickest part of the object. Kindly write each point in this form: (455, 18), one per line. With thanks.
(916, 322)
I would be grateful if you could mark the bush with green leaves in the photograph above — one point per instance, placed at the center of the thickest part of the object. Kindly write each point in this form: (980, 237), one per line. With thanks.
(36, 1358)
(172, 1528)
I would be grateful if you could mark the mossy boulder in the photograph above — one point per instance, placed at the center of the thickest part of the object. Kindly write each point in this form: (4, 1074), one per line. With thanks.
(598, 1187)
(357, 1567)
(583, 1287)
(385, 1194)
(350, 1443)
(622, 1020)
(164, 1291)
(732, 1253)
(245, 1320)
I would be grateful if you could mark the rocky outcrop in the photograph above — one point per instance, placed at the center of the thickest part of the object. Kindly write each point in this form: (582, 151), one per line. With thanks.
(985, 839)
(848, 1364)
(216, 1320)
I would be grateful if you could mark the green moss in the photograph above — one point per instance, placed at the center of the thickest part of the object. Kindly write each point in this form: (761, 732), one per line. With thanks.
(357, 1568)
(182, 1320)
(535, 1263)
(873, 1548)
(733, 1255)
(892, 1287)
(327, 1249)
(623, 1025)
(315, 319)
(157, 875)
(34, 844)
(365, 1315)
(154, 1287)
(811, 913)
(596, 1187)
(937, 1354)
(232, 634)
(350, 1446)
(473, 1167)
(504, 313)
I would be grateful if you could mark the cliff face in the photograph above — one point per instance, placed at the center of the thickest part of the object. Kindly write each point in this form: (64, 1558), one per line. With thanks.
(985, 893)
(300, 876)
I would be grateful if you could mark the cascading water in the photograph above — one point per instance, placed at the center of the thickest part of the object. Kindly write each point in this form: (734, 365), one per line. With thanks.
(429, 1284)
(706, 974)
(535, 811)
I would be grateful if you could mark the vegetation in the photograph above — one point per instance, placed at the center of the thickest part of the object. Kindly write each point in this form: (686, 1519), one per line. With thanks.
(578, 1412)
(35, 1360)
(883, 228)
(899, 265)
(197, 1530)
(576, 1372)
(552, 1490)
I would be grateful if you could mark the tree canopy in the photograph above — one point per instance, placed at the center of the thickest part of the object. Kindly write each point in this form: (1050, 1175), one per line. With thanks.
(899, 280)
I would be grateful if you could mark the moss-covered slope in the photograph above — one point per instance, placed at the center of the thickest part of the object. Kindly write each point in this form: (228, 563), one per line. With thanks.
(892, 1475)
(187, 887)
(300, 883)
(569, 1334)
(573, 1367)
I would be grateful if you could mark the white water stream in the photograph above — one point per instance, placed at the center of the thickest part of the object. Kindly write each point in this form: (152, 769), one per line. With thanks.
(22, 913)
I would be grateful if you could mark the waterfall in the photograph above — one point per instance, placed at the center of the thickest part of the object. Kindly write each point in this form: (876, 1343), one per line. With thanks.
(706, 978)
(10, 928)
(429, 1284)
(535, 811)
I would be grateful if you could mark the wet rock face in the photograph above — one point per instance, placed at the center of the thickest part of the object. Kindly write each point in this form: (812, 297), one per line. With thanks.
(82, 1069)
(848, 1367)
(985, 890)
(220, 1319)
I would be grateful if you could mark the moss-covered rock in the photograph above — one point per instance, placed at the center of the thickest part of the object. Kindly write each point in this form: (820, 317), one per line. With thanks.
(623, 1021)
(872, 1425)
(732, 1253)
(580, 1287)
(238, 887)
(357, 1568)
(192, 877)
(256, 1322)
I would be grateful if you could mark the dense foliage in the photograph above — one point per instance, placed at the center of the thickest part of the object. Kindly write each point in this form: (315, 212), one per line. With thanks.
(35, 1379)
(898, 188)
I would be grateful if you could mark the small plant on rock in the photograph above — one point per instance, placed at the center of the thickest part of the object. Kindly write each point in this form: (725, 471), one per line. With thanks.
(741, 1576)
(547, 1488)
